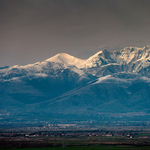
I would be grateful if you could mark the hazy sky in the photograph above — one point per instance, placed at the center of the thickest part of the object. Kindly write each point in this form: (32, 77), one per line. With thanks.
(34, 30)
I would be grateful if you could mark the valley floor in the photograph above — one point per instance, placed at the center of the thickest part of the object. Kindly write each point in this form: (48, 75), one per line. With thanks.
(75, 140)
(89, 148)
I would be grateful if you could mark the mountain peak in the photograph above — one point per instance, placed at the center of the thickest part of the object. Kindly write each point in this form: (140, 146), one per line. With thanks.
(132, 48)
(67, 59)
(100, 58)
(61, 57)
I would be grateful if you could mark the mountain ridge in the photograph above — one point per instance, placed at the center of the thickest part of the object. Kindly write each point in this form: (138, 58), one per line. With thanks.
(107, 82)
(71, 60)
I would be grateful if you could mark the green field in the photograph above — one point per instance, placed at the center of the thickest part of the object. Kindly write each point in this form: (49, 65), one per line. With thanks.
(87, 148)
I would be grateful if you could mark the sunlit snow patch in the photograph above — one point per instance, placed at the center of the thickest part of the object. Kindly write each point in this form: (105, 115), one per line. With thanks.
(109, 77)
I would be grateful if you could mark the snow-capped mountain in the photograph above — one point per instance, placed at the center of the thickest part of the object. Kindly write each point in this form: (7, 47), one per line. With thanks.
(129, 59)
(105, 82)
(41, 81)
(52, 66)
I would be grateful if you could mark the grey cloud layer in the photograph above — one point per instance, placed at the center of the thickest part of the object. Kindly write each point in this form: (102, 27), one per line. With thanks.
(33, 30)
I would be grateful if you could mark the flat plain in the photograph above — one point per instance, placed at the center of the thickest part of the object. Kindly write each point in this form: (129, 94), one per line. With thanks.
(75, 140)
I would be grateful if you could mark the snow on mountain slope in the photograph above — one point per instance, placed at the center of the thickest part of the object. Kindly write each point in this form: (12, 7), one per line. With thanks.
(133, 54)
(40, 69)
(129, 59)
(67, 59)
(128, 55)
(136, 59)
(108, 78)
(101, 58)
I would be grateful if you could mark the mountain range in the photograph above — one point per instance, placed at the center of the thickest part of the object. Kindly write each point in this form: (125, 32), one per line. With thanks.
(63, 85)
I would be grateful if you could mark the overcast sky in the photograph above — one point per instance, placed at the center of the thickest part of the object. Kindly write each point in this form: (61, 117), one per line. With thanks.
(34, 30)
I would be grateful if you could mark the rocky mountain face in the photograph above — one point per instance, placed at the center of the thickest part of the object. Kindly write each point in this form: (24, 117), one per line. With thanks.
(107, 82)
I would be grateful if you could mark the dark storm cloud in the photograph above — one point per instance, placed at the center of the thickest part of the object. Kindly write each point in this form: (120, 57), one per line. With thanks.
(34, 30)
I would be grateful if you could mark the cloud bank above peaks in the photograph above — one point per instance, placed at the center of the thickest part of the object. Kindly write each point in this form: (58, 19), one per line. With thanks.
(34, 30)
